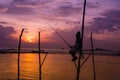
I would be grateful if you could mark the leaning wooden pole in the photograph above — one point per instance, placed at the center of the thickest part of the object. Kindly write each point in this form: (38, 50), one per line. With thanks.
(40, 66)
(92, 50)
(81, 53)
(19, 46)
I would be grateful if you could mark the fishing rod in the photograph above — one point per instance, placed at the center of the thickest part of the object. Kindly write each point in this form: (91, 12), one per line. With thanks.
(64, 41)
(61, 36)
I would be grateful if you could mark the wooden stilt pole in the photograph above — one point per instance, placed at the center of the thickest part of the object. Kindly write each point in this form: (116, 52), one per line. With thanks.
(40, 66)
(81, 53)
(19, 53)
(92, 50)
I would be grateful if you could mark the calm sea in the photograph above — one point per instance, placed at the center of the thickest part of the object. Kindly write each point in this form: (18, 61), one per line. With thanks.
(58, 67)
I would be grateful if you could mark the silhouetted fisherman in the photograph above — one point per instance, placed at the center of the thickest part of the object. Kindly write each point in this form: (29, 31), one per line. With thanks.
(76, 47)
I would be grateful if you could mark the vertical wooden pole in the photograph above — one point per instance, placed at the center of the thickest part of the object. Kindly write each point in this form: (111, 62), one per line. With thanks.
(93, 57)
(19, 53)
(40, 67)
(81, 53)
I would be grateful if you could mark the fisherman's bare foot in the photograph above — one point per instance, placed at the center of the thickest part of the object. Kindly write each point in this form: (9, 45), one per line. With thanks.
(75, 58)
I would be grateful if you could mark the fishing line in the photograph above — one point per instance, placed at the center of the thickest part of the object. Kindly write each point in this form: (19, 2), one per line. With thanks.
(60, 36)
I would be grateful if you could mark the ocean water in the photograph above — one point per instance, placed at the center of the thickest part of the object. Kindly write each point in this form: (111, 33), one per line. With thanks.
(58, 67)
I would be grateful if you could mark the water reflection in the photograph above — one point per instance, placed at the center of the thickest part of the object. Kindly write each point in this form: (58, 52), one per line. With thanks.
(29, 66)
(8, 66)
(57, 67)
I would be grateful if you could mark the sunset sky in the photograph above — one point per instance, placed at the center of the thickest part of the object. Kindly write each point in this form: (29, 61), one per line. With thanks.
(102, 18)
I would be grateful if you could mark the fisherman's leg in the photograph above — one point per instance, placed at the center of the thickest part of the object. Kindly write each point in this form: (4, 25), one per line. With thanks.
(82, 55)
(72, 52)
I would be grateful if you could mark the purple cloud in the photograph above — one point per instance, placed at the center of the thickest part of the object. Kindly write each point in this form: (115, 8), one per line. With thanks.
(18, 7)
(6, 31)
(2, 22)
(67, 8)
(7, 41)
(21, 7)
(3, 8)
(110, 21)
(25, 4)
(30, 4)
(12, 9)
(93, 5)
(5, 37)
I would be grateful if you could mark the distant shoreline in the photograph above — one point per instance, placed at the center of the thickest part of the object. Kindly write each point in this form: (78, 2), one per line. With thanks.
(59, 51)
(55, 53)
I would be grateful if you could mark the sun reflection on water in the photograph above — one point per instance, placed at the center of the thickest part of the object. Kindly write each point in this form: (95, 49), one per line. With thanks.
(57, 67)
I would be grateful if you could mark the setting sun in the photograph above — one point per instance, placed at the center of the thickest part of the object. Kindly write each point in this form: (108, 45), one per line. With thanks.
(30, 39)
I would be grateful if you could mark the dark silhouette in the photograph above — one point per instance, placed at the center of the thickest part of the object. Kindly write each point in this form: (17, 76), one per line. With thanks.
(76, 47)
(19, 46)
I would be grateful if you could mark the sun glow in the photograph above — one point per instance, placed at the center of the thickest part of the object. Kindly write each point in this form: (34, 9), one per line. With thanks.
(33, 37)
(30, 39)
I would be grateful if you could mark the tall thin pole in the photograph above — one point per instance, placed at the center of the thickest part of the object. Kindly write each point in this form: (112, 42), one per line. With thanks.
(81, 53)
(19, 53)
(40, 66)
(93, 57)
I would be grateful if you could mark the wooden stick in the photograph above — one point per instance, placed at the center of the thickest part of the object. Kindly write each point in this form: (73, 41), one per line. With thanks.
(40, 67)
(92, 50)
(81, 53)
(19, 53)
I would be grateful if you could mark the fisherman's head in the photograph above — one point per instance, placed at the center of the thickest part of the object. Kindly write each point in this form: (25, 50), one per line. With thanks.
(78, 34)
